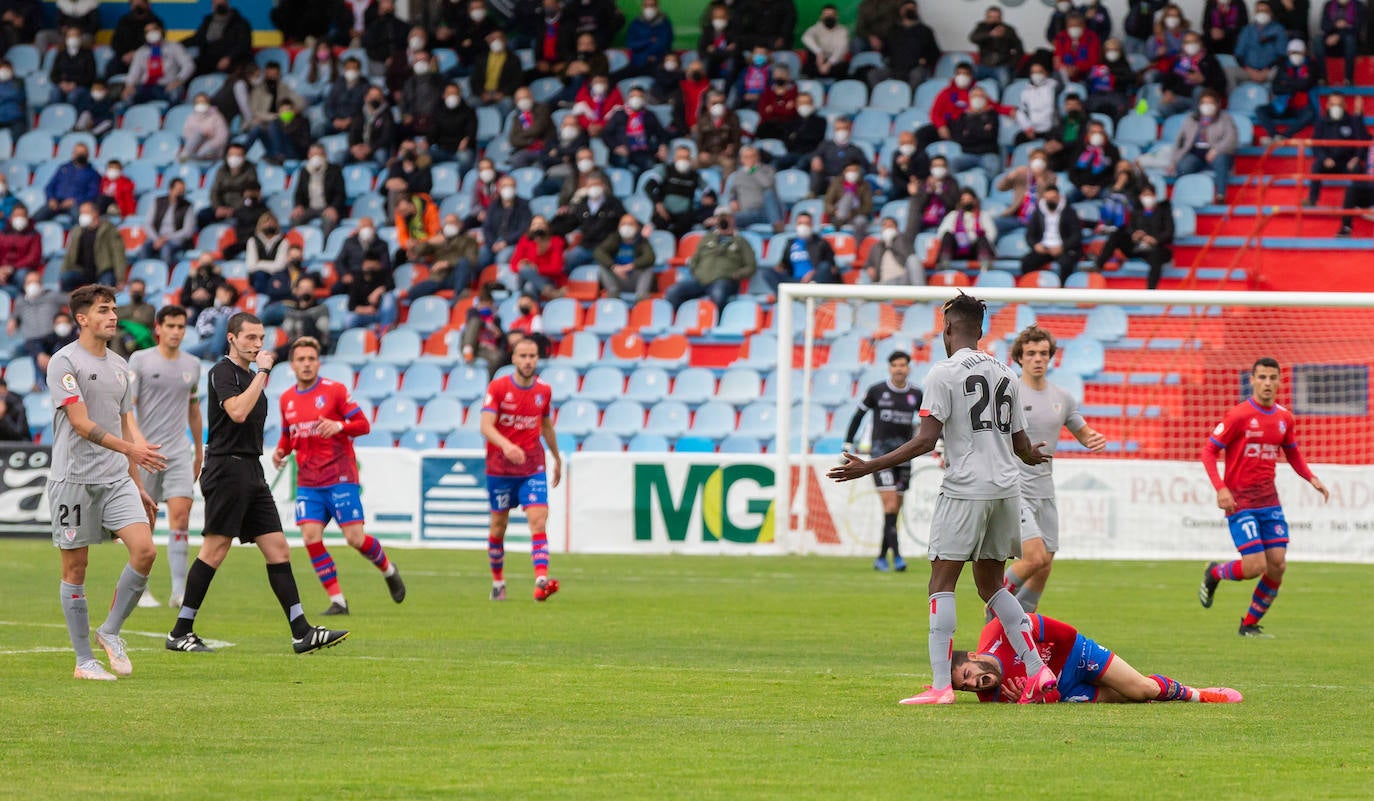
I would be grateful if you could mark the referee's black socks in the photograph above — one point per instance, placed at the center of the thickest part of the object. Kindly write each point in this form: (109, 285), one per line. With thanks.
(198, 580)
(283, 583)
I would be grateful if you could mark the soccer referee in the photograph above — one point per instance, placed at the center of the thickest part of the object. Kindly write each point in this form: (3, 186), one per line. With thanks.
(238, 502)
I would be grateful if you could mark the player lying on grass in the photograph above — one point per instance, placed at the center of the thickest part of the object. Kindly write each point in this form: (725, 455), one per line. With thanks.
(1088, 672)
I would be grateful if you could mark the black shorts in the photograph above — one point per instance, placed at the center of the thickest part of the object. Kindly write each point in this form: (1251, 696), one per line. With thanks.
(894, 479)
(238, 502)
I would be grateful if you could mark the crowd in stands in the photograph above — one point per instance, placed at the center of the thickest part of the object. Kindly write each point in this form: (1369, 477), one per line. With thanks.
(485, 147)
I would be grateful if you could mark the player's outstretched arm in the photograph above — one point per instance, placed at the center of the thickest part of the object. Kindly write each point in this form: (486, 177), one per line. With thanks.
(1025, 451)
(551, 440)
(1091, 438)
(140, 453)
(852, 467)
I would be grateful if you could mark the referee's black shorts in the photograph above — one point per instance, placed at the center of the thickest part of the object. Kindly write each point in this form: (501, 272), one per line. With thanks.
(238, 502)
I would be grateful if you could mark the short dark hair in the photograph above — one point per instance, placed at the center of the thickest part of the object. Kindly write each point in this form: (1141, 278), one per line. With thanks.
(1265, 361)
(238, 321)
(965, 311)
(1032, 333)
(304, 342)
(83, 298)
(898, 354)
(170, 310)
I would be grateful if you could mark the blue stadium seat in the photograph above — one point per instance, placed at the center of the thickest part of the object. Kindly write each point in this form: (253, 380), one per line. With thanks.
(1106, 323)
(21, 376)
(370, 205)
(465, 439)
(488, 124)
(441, 415)
(758, 420)
(122, 145)
(846, 97)
(428, 314)
(186, 171)
(832, 386)
(693, 444)
(1185, 220)
(358, 179)
(995, 278)
(624, 418)
(37, 405)
(892, 96)
(339, 372)
(562, 380)
(376, 381)
(741, 444)
(586, 349)
(375, 439)
(602, 384)
(1246, 98)
(35, 147)
(142, 119)
(1083, 357)
(640, 207)
(693, 386)
(668, 418)
(792, 186)
(1169, 132)
(739, 386)
(560, 316)
(578, 417)
(277, 55)
(24, 58)
(54, 238)
(396, 414)
(714, 420)
(1137, 129)
(422, 381)
(417, 440)
(152, 272)
(648, 443)
(647, 385)
(610, 317)
(602, 442)
(209, 84)
(161, 148)
(444, 179)
(400, 346)
(57, 119)
(1195, 190)
(762, 352)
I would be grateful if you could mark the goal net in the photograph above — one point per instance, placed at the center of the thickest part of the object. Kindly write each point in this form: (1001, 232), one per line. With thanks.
(1152, 371)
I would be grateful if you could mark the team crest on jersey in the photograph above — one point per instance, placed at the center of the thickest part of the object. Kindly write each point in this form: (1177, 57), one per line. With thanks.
(1283, 427)
(319, 401)
(1254, 422)
(187, 377)
(69, 382)
(291, 406)
(538, 400)
(1220, 428)
(69, 534)
(121, 378)
(509, 397)
(1058, 408)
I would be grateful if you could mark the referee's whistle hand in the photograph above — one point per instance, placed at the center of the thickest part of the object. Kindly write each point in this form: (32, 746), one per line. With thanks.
(147, 457)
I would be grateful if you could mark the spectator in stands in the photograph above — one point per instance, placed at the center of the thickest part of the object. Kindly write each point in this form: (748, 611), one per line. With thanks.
(95, 113)
(421, 95)
(967, 232)
(1139, 25)
(635, 136)
(649, 39)
(20, 22)
(834, 155)
(1058, 21)
(245, 219)
(600, 17)
(452, 262)
(688, 100)
(1261, 44)
(1293, 15)
(21, 247)
(400, 65)
(585, 64)
(573, 187)
(528, 325)
(559, 155)
(596, 101)
(344, 100)
(455, 130)
(1112, 84)
(385, 34)
(873, 21)
(752, 80)
(407, 172)
(370, 301)
(159, 69)
(299, 20)
(1342, 24)
(1338, 124)
(373, 132)
(1037, 110)
(722, 263)
(999, 47)
(1358, 194)
(14, 421)
(303, 315)
(288, 136)
(539, 261)
(1094, 166)
(484, 191)
(777, 106)
(531, 127)
(61, 333)
(807, 259)
(225, 39)
(1167, 42)
(626, 261)
(667, 82)
(907, 163)
(31, 319)
(892, 261)
(73, 70)
(482, 334)
(234, 95)
(1027, 184)
(1193, 70)
(752, 192)
(129, 35)
(506, 221)
(265, 255)
(719, 43)
(554, 46)
(136, 320)
(213, 324)
(226, 190)
(205, 132)
(828, 43)
(976, 132)
(417, 225)
(1207, 139)
(1054, 234)
(83, 15)
(1147, 235)
(849, 200)
(673, 190)
(496, 73)
(1077, 49)
(198, 290)
(1063, 143)
(8, 201)
(718, 134)
(1097, 18)
(1293, 107)
(117, 191)
(910, 50)
(14, 113)
(932, 199)
(171, 224)
(1222, 21)
(950, 104)
(265, 102)
(319, 192)
(74, 183)
(350, 21)
(588, 223)
(769, 23)
(95, 252)
(801, 136)
(362, 244)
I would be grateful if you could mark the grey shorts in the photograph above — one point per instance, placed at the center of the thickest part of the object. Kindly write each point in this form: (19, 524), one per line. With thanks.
(1040, 518)
(84, 514)
(177, 481)
(962, 530)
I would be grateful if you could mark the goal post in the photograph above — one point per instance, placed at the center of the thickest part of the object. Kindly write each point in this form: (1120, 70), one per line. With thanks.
(1154, 370)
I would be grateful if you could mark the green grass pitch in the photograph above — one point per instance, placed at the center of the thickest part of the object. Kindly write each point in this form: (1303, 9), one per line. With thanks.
(674, 678)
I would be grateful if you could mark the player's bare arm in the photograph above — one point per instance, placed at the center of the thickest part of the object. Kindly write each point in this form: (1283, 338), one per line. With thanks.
(131, 432)
(141, 454)
(1026, 452)
(1320, 487)
(197, 435)
(1091, 439)
(852, 467)
(551, 440)
(513, 453)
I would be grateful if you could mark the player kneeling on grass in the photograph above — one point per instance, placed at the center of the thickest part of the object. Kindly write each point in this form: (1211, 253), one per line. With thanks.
(1088, 672)
(319, 421)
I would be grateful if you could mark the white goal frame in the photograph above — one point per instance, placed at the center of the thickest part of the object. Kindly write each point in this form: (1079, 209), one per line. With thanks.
(786, 504)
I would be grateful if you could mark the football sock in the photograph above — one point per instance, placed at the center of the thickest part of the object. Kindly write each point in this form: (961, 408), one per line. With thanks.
(1170, 690)
(1017, 626)
(1029, 599)
(496, 557)
(374, 553)
(283, 583)
(127, 592)
(324, 568)
(539, 553)
(1012, 581)
(889, 535)
(78, 620)
(178, 551)
(1228, 571)
(198, 580)
(1265, 592)
(941, 641)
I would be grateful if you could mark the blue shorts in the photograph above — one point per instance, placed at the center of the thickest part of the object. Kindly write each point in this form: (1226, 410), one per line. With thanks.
(508, 492)
(1087, 661)
(342, 503)
(1254, 530)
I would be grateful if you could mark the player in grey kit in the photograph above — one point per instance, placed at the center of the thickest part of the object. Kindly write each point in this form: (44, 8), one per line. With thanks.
(1048, 409)
(894, 404)
(165, 381)
(94, 487)
(972, 400)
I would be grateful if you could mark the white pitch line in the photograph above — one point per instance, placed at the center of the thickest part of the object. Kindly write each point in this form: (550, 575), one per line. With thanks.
(153, 634)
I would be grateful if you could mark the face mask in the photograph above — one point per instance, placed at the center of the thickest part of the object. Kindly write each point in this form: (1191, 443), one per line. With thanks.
(508, 193)
(804, 231)
(1113, 56)
(1075, 33)
(452, 101)
(889, 234)
(1148, 201)
(852, 177)
(967, 206)
(524, 104)
(352, 75)
(1097, 140)
(96, 96)
(497, 46)
(719, 23)
(113, 174)
(806, 111)
(316, 163)
(6, 74)
(760, 60)
(1192, 48)
(1037, 165)
(650, 13)
(977, 103)
(33, 290)
(19, 223)
(81, 158)
(202, 108)
(1336, 112)
(627, 232)
(842, 136)
(829, 22)
(153, 38)
(963, 81)
(939, 172)
(596, 192)
(682, 165)
(1063, 7)
(538, 233)
(271, 230)
(477, 14)
(287, 115)
(366, 235)
(234, 162)
(136, 298)
(670, 66)
(62, 329)
(1207, 109)
(568, 134)
(1037, 79)
(635, 103)
(417, 43)
(422, 68)
(1171, 22)
(1296, 59)
(599, 89)
(451, 230)
(906, 150)
(85, 220)
(73, 46)
(487, 176)
(1263, 19)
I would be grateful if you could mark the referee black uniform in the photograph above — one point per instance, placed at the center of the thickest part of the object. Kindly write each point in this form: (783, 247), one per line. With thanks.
(238, 501)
